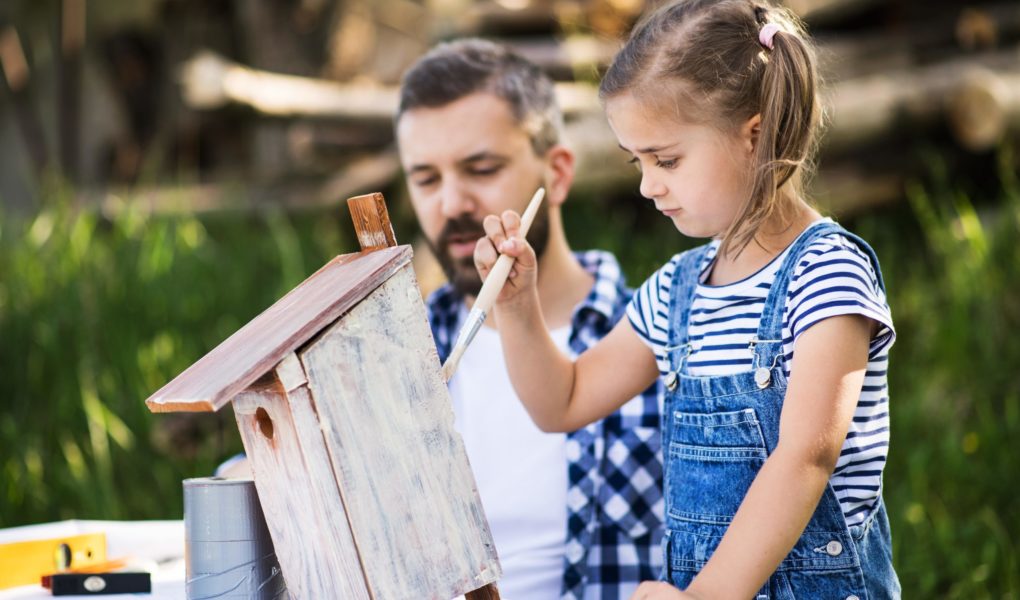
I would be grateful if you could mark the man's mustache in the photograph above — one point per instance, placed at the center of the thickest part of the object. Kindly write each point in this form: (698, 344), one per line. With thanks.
(459, 229)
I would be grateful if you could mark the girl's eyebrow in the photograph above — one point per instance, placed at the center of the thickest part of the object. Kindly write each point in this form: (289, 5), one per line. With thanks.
(650, 149)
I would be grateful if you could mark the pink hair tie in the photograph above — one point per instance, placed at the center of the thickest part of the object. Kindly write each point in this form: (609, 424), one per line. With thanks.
(767, 33)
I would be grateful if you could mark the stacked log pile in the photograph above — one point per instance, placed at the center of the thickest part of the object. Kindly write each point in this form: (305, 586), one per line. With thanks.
(296, 98)
(899, 77)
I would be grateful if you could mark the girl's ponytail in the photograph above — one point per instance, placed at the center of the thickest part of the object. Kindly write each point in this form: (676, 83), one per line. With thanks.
(790, 115)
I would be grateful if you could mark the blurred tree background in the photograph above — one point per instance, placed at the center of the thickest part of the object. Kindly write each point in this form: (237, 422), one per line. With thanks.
(172, 167)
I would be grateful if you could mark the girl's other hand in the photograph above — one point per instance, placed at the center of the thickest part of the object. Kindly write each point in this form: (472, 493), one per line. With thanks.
(657, 590)
(502, 236)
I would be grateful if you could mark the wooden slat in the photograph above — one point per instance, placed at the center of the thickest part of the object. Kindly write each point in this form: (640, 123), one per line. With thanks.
(400, 465)
(371, 222)
(290, 373)
(299, 495)
(258, 346)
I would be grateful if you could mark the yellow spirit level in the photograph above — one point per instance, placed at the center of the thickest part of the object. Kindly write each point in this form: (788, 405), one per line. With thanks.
(25, 563)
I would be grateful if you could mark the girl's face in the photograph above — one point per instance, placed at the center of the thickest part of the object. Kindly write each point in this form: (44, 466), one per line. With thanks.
(695, 174)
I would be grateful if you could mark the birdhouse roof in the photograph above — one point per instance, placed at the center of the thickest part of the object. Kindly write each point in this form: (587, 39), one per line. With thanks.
(281, 329)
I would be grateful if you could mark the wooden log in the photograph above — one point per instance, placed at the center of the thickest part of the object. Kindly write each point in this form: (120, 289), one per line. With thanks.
(867, 109)
(377, 40)
(984, 107)
(935, 34)
(389, 429)
(313, 539)
(370, 172)
(210, 81)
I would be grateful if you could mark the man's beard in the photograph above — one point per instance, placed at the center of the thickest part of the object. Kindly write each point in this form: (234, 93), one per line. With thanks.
(461, 273)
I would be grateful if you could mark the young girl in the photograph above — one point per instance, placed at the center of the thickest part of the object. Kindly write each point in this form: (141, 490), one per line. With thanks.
(772, 339)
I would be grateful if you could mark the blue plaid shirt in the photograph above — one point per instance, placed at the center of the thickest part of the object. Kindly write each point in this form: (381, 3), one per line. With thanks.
(614, 466)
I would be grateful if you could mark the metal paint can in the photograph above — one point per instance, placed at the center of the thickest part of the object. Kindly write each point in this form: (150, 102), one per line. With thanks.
(228, 551)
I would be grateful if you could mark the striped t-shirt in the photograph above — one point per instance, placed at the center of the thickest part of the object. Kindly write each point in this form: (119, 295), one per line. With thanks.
(834, 277)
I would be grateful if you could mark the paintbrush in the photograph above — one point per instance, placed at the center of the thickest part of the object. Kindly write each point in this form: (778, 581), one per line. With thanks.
(490, 290)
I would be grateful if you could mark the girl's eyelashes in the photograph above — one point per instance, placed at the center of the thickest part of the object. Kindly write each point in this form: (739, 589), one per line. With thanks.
(669, 163)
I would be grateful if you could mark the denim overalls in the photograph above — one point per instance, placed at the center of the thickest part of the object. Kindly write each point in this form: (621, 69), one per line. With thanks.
(717, 433)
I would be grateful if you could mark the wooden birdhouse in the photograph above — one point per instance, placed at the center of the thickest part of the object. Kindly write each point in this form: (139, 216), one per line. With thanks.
(348, 425)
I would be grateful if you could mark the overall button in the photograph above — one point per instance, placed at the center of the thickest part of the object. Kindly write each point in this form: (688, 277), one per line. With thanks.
(671, 381)
(852, 597)
(834, 548)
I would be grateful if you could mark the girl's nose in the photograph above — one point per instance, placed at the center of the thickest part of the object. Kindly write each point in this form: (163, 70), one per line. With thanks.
(651, 187)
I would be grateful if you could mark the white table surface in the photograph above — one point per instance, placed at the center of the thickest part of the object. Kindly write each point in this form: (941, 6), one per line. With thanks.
(156, 545)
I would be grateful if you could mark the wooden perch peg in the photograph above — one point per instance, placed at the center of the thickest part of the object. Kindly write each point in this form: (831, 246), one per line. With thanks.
(371, 222)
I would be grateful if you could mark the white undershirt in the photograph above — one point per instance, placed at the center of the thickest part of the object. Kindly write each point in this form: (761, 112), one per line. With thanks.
(521, 472)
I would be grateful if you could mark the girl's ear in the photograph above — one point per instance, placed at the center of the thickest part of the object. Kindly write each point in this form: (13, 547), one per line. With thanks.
(559, 174)
(750, 132)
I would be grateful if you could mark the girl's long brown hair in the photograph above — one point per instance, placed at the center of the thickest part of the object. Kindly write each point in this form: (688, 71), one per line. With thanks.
(706, 56)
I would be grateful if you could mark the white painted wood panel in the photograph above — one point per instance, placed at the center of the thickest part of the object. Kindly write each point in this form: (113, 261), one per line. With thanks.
(402, 470)
(299, 495)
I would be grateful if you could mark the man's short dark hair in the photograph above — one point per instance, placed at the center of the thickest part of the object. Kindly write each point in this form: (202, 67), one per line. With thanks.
(453, 70)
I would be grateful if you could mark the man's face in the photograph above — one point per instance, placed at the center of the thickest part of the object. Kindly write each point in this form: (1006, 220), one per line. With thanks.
(464, 161)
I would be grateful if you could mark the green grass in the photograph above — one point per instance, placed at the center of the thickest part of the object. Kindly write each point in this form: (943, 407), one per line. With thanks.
(954, 389)
(97, 314)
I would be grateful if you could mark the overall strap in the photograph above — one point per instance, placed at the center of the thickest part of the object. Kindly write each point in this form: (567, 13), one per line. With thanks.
(681, 294)
(870, 253)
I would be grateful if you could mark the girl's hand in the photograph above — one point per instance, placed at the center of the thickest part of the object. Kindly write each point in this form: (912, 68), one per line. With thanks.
(502, 236)
(657, 590)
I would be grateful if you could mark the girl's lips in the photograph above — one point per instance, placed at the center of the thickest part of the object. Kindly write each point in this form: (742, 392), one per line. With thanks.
(670, 212)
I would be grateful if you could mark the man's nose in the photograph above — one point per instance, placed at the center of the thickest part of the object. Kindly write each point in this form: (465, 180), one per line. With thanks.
(455, 200)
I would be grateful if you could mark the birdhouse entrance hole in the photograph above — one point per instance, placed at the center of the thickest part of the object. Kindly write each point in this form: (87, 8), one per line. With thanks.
(265, 423)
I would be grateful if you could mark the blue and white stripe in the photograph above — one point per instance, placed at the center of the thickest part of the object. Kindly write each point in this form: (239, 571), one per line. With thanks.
(834, 277)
